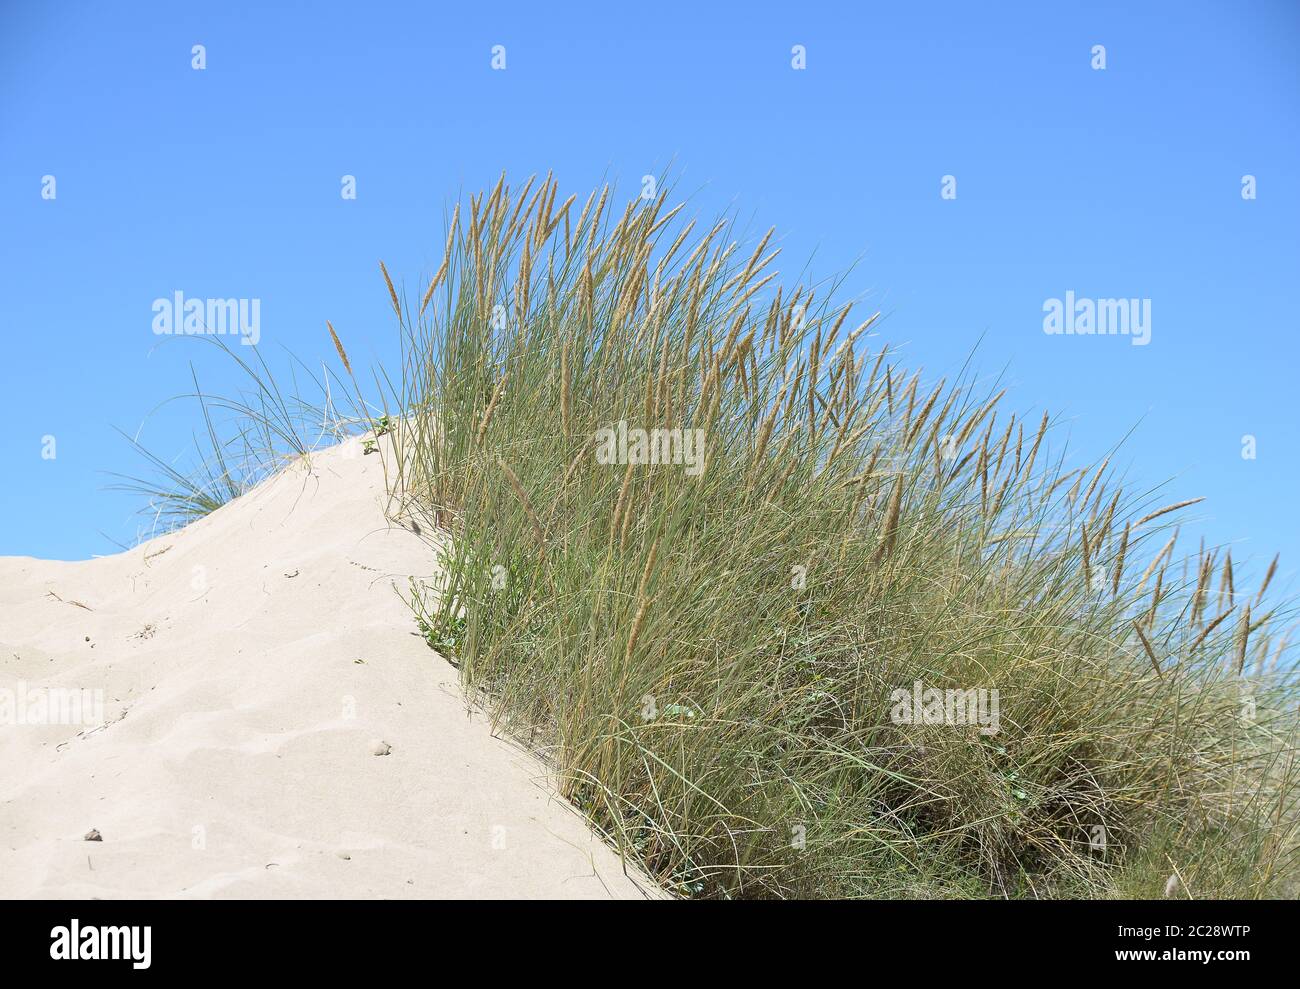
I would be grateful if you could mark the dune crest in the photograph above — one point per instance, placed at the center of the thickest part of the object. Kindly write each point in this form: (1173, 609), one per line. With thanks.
(271, 726)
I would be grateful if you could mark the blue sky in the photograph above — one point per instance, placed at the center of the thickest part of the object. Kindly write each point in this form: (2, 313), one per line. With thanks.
(225, 182)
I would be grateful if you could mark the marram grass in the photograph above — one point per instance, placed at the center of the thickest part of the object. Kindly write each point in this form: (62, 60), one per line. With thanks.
(711, 651)
(708, 659)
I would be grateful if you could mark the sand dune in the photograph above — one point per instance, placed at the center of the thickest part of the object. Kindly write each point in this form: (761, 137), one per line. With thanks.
(251, 667)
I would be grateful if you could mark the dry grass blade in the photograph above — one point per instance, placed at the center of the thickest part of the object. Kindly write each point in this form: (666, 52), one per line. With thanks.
(527, 504)
(1146, 646)
(497, 392)
(392, 292)
(343, 355)
(1166, 510)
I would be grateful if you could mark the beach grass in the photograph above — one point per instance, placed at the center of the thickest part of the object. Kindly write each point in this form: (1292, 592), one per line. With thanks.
(785, 617)
(709, 545)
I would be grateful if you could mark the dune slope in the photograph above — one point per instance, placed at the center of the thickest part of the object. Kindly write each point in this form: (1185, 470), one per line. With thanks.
(252, 665)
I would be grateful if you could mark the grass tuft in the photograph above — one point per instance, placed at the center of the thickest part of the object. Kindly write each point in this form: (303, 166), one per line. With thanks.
(713, 661)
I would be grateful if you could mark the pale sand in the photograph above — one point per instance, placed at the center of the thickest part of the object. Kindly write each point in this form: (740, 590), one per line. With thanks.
(243, 707)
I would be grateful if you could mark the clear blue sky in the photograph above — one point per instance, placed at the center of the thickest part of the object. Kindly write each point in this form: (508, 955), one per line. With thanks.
(226, 183)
